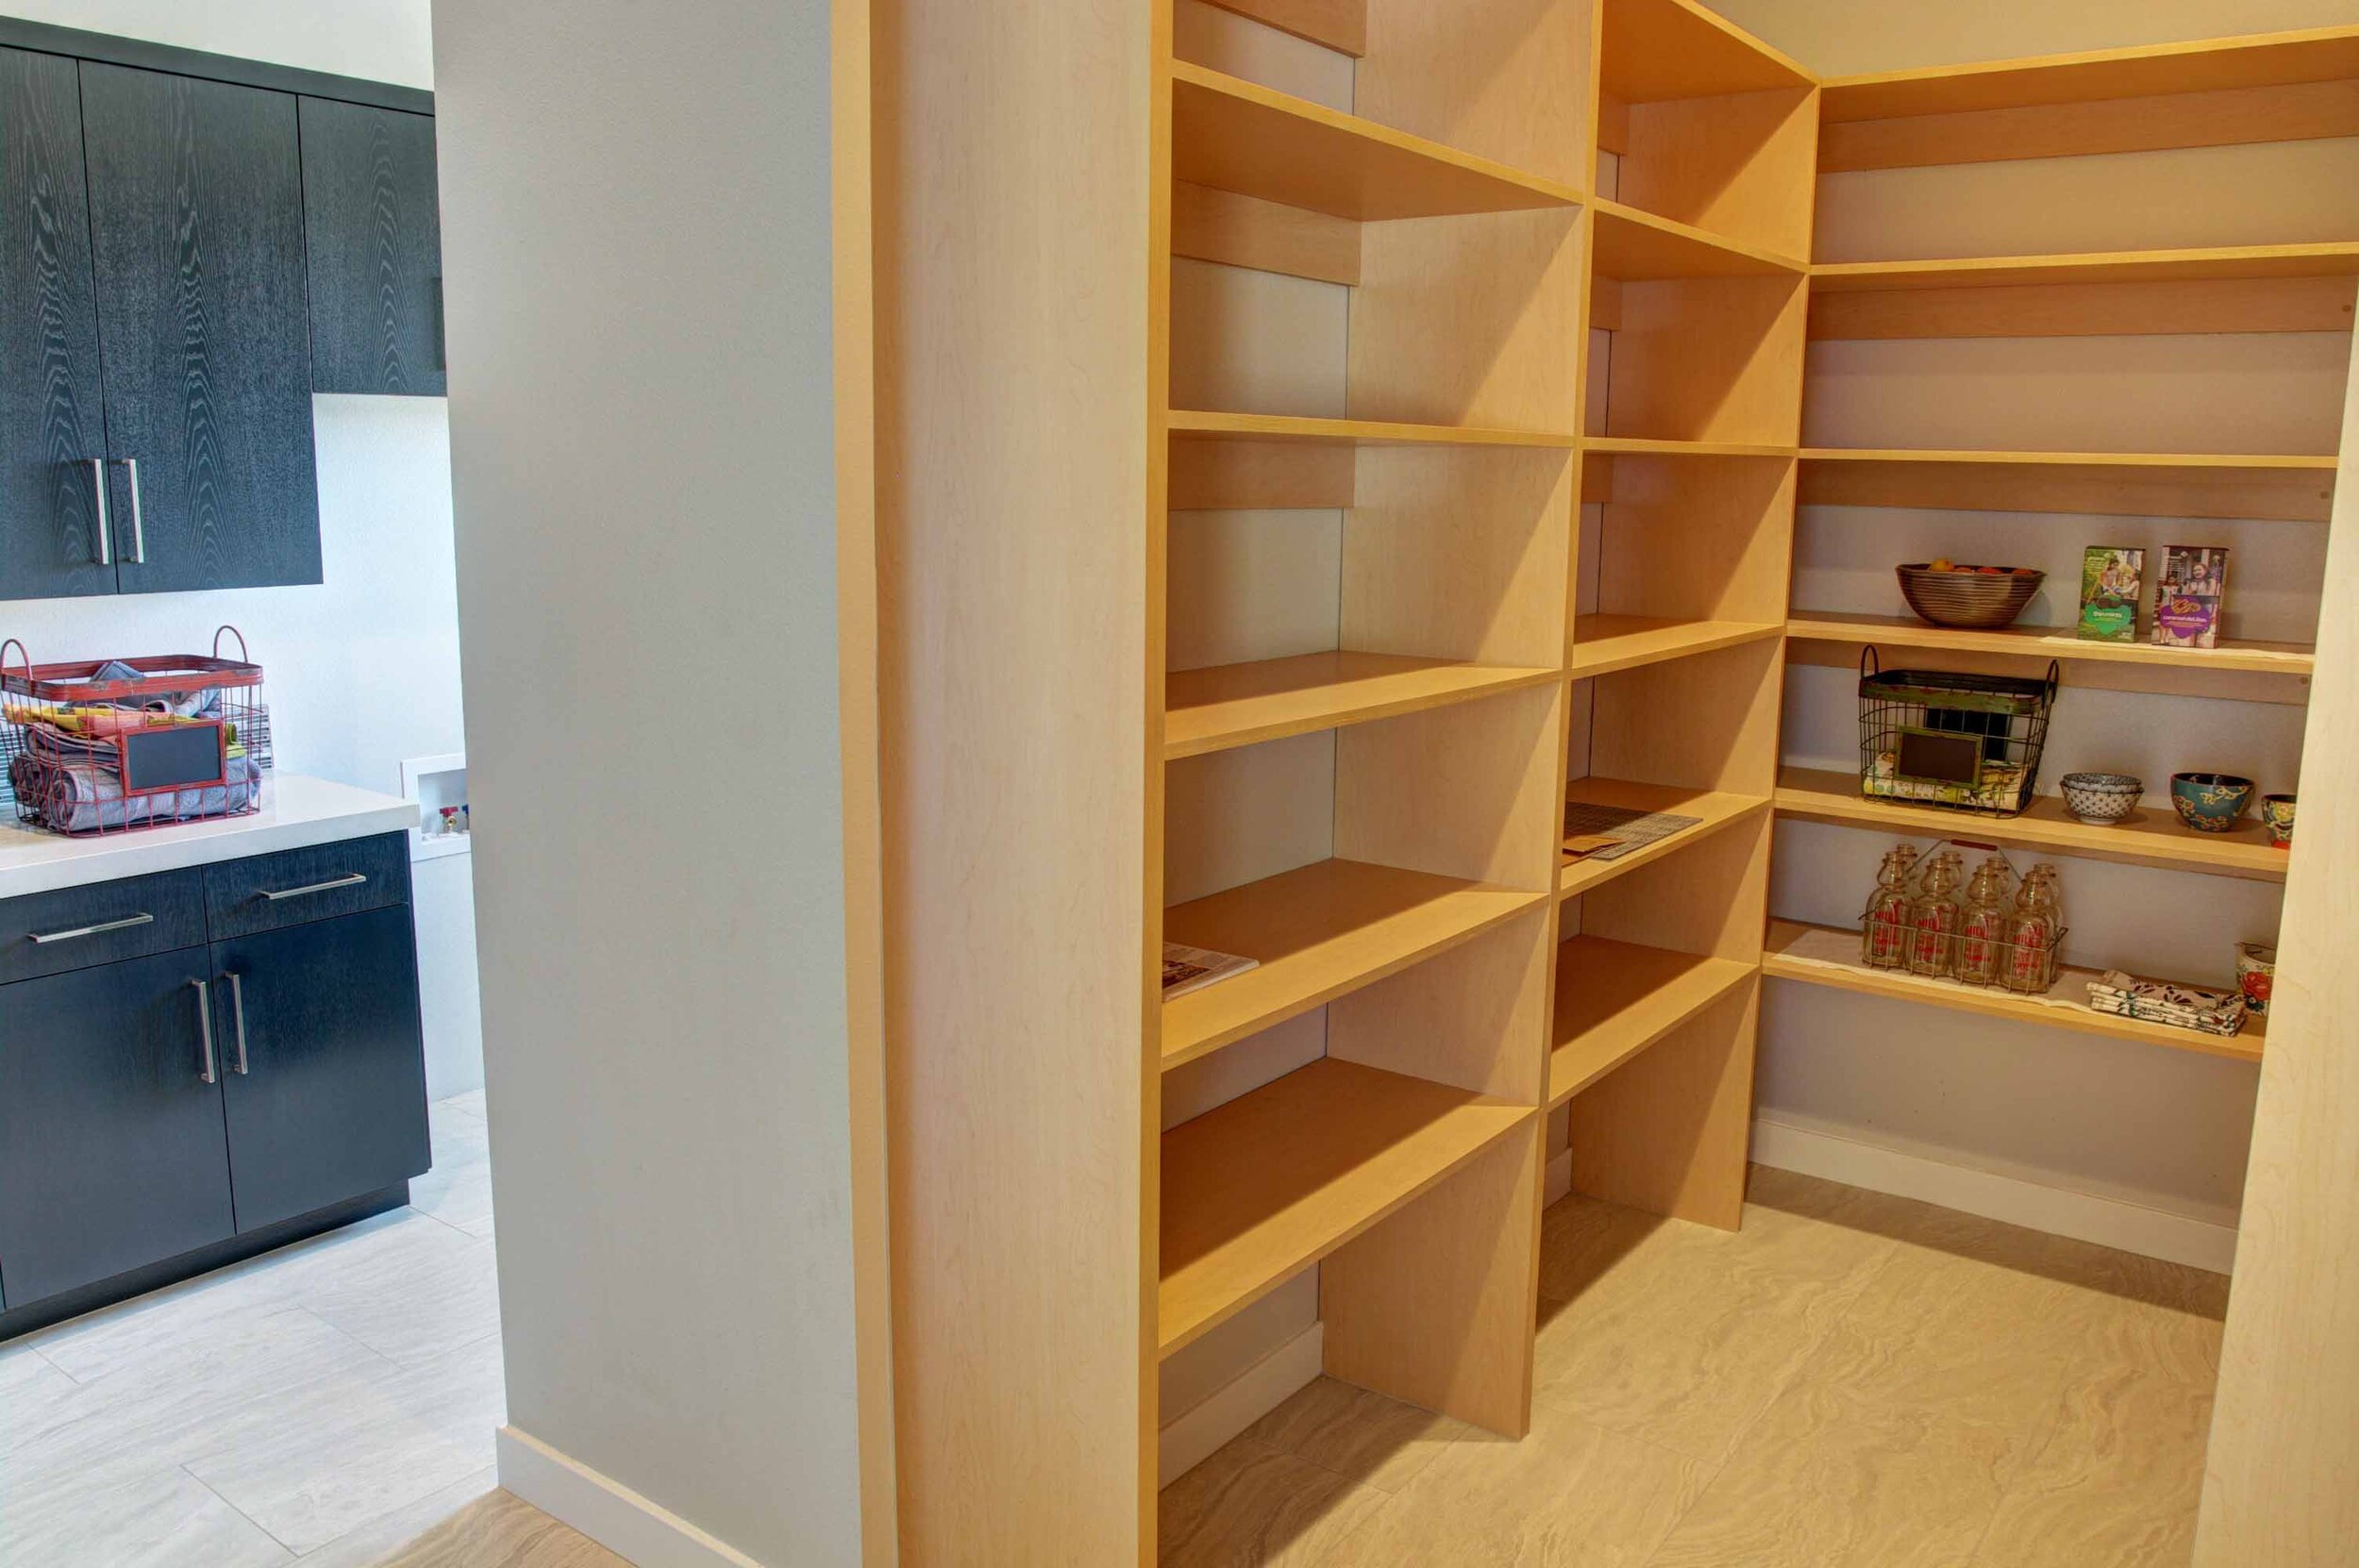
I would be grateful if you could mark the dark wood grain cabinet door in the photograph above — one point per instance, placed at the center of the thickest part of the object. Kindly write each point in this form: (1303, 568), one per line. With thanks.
(112, 1154)
(374, 231)
(52, 418)
(196, 219)
(325, 1076)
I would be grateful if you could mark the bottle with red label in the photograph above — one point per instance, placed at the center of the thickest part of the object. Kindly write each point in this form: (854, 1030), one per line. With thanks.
(1933, 918)
(1884, 931)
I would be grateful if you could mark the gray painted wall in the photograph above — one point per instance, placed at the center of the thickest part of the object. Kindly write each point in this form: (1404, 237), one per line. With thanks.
(636, 231)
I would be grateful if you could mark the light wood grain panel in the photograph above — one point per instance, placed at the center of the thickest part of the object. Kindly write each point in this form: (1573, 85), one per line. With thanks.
(1741, 165)
(1661, 49)
(1459, 553)
(1668, 1131)
(1613, 999)
(1194, 422)
(1010, 345)
(2031, 309)
(1705, 724)
(1245, 231)
(1464, 792)
(1238, 705)
(1278, 1179)
(1473, 1017)
(2174, 681)
(1713, 808)
(1606, 644)
(1238, 136)
(2302, 490)
(1818, 955)
(1468, 320)
(1709, 360)
(2123, 266)
(1701, 539)
(1490, 78)
(2292, 112)
(1239, 475)
(2285, 1430)
(2151, 836)
(2047, 643)
(1635, 245)
(1714, 901)
(1320, 932)
(1434, 1306)
(1340, 25)
(1233, 817)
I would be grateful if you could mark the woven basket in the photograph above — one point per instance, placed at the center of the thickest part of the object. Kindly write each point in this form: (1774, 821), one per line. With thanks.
(1973, 601)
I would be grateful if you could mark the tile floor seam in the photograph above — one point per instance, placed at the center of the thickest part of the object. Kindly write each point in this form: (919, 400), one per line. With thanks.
(292, 1554)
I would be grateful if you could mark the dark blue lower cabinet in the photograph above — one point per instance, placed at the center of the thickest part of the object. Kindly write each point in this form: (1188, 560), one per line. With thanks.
(113, 1153)
(326, 1080)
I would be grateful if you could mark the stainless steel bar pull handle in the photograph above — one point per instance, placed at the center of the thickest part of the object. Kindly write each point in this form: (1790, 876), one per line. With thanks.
(41, 938)
(236, 1012)
(210, 1070)
(106, 525)
(139, 529)
(275, 894)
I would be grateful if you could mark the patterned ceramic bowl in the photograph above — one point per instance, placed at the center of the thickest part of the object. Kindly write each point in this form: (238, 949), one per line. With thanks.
(2102, 798)
(2209, 802)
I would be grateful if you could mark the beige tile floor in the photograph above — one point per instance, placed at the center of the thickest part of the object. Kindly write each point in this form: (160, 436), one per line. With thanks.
(1852, 1381)
(322, 1403)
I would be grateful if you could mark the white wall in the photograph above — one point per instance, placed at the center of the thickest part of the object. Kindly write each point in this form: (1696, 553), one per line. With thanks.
(386, 40)
(636, 230)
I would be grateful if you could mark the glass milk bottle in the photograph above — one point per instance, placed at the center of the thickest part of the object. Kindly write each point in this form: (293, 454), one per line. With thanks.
(2030, 959)
(1933, 918)
(1883, 932)
(1984, 925)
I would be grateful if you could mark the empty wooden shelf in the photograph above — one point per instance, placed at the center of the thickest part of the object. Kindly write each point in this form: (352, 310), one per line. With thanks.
(1820, 955)
(1320, 932)
(1261, 1187)
(2153, 835)
(2045, 643)
(1357, 432)
(2130, 484)
(1717, 809)
(1234, 135)
(1636, 246)
(1236, 705)
(1657, 50)
(1613, 999)
(1646, 447)
(1605, 644)
(2231, 263)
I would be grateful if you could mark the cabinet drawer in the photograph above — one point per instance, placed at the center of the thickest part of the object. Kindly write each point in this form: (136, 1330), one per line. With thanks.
(48, 933)
(299, 885)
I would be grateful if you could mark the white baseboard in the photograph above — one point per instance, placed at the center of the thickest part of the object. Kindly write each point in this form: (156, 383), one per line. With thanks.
(1190, 1438)
(1559, 1180)
(607, 1512)
(2083, 1216)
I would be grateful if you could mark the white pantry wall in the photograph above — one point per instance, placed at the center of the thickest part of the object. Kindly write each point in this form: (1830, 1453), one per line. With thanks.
(384, 41)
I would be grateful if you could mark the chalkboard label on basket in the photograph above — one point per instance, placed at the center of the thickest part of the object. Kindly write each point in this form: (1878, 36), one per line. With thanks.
(1951, 758)
(180, 757)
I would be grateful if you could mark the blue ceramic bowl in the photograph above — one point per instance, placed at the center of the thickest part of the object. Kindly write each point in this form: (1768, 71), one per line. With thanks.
(2209, 802)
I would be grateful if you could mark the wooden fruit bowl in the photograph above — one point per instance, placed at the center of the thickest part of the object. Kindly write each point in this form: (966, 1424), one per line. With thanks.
(1967, 597)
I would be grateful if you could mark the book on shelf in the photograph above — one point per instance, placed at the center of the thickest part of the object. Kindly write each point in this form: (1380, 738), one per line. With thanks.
(2112, 580)
(1187, 969)
(2188, 602)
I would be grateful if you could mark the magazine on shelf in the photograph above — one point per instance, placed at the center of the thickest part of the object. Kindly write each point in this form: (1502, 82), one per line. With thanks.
(1187, 969)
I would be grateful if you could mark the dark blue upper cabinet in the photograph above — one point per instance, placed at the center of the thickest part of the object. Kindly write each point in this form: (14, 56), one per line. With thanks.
(373, 228)
(197, 224)
(53, 431)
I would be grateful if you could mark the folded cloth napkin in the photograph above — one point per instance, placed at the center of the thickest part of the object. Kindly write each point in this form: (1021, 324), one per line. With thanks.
(2220, 1012)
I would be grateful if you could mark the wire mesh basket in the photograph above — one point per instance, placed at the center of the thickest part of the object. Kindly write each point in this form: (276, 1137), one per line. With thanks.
(1959, 741)
(129, 744)
(1966, 958)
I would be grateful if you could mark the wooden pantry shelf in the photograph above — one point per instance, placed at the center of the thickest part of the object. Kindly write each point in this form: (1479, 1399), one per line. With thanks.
(2233, 262)
(1186, 422)
(1605, 644)
(1642, 447)
(1820, 955)
(1613, 999)
(1636, 246)
(2270, 59)
(1233, 135)
(1238, 705)
(1657, 50)
(1320, 932)
(2152, 836)
(1718, 808)
(2290, 489)
(1270, 1183)
(2040, 644)
(2256, 461)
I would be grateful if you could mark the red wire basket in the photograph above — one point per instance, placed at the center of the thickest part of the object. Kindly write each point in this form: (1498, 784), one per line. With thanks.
(129, 744)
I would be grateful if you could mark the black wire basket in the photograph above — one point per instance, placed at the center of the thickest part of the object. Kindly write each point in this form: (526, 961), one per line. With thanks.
(1962, 742)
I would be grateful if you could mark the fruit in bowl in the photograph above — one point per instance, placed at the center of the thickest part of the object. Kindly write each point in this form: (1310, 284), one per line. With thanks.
(1974, 599)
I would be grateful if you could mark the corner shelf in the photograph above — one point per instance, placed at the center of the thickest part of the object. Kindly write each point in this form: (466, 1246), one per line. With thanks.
(1613, 999)
(1320, 932)
(1642, 447)
(1718, 808)
(1657, 50)
(1237, 704)
(2154, 836)
(1234, 135)
(2256, 461)
(2233, 262)
(2040, 644)
(1636, 246)
(2130, 484)
(1605, 644)
(1820, 955)
(1271, 1182)
(1183, 423)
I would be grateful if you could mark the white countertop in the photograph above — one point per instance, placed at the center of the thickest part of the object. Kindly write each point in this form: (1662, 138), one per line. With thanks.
(296, 813)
